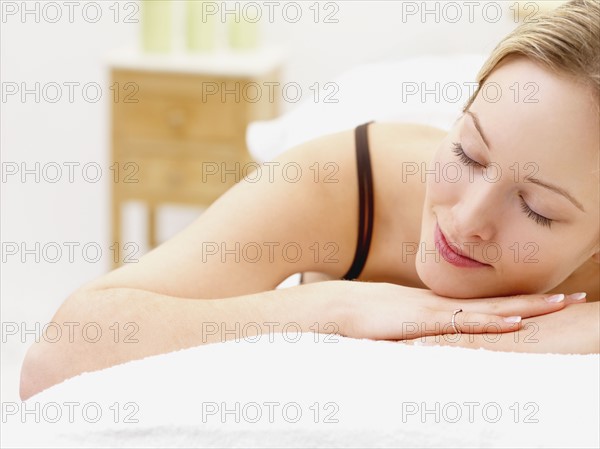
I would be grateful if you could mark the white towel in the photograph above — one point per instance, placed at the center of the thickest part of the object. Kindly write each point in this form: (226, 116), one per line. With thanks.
(361, 393)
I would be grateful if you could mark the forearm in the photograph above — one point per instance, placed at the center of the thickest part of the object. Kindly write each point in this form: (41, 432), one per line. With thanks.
(136, 323)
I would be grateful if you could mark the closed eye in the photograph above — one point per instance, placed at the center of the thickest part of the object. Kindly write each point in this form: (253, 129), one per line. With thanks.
(458, 150)
(539, 219)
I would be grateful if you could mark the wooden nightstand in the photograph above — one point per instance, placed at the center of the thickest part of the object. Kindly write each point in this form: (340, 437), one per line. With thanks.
(176, 118)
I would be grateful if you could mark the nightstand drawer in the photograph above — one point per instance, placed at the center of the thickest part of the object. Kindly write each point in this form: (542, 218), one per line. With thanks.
(192, 180)
(177, 119)
(210, 151)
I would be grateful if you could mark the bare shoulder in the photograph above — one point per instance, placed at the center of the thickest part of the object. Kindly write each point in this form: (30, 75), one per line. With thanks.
(398, 151)
(391, 145)
(297, 215)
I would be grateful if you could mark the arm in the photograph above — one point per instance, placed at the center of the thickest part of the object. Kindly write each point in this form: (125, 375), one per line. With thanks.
(313, 215)
(150, 323)
(155, 293)
(377, 310)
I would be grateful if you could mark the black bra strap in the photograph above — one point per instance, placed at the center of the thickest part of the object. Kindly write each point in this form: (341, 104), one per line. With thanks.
(366, 202)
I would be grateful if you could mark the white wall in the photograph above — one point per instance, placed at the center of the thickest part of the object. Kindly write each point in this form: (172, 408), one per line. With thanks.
(371, 31)
(79, 131)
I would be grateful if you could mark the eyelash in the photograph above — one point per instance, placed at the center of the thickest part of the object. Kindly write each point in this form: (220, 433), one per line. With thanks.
(458, 150)
(539, 219)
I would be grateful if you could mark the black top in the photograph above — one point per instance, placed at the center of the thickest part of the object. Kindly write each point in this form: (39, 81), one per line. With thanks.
(366, 204)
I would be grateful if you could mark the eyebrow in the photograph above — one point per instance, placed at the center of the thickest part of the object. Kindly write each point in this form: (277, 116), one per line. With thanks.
(531, 179)
(478, 126)
(556, 189)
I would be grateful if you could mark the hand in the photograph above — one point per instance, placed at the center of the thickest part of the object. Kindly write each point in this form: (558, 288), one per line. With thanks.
(573, 330)
(385, 311)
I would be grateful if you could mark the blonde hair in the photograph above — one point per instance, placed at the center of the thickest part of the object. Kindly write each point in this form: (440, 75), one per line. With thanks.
(566, 40)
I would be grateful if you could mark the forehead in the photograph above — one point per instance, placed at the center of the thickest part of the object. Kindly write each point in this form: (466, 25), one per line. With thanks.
(540, 105)
(530, 114)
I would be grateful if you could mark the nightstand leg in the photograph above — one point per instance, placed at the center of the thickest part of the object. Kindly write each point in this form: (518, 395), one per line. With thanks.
(151, 226)
(115, 244)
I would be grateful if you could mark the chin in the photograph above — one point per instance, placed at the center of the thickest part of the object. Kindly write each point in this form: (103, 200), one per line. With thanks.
(445, 285)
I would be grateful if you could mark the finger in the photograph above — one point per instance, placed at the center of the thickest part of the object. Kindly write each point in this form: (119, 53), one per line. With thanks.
(470, 323)
(524, 306)
(576, 298)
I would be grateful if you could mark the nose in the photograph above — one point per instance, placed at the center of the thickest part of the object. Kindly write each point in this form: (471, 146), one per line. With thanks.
(477, 213)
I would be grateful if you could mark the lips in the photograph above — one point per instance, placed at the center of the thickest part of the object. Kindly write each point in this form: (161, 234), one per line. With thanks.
(451, 254)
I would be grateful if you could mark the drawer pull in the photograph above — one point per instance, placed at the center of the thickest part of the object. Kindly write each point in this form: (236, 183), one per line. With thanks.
(175, 179)
(176, 118)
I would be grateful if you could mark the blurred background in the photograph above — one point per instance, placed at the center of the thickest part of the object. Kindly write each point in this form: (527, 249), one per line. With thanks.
(98, 93)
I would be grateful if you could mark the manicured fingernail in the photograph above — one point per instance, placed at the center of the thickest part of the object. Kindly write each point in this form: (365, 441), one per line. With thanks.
(556, 298)
(512, 319)
(577, 296)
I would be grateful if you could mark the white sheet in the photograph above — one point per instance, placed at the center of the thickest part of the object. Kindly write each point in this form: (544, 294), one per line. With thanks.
(368, 380)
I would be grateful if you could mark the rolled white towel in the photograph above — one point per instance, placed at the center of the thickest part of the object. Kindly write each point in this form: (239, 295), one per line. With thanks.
(384, 91)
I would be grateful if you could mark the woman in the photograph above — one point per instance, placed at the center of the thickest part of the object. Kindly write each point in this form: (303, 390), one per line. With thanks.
(463, 232)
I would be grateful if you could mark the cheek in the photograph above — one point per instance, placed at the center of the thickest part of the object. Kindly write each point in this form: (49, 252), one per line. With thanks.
(538, 262)
(532, 273)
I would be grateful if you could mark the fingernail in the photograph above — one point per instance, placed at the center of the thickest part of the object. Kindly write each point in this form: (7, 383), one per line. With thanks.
(512, 319)
(556, 298)
(577, 296)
